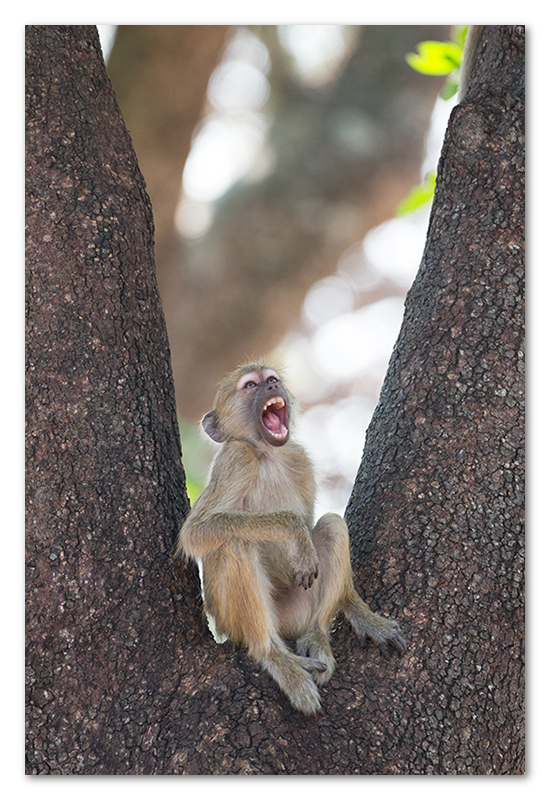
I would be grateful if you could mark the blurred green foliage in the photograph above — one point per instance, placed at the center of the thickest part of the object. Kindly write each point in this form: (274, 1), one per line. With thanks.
(435, 58)
(197, 456)
(418, 196)
(441, 58)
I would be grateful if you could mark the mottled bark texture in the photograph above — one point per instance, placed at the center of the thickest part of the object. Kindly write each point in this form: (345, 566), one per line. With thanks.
(105, 485)
(438, 505)
(342, 157)
(123, 677)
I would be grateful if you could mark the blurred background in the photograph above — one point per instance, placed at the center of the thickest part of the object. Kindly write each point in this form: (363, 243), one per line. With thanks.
(276, 158)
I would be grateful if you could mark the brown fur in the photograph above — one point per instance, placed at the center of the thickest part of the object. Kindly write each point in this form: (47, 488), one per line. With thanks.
(269, 573)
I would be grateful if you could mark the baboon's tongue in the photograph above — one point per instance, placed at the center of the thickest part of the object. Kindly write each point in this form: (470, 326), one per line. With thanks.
(272, 422)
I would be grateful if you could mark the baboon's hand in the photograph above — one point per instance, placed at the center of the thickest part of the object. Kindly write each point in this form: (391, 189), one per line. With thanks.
(306, 577)
(304, 561)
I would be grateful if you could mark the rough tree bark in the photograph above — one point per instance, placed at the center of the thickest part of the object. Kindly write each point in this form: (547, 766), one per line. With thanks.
(438, 504)
(122, 676)
(105, 485)
(343, 156)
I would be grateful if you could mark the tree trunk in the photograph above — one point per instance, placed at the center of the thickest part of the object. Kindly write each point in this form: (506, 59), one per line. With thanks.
(122, 675)
(438, 504)
(105, 485)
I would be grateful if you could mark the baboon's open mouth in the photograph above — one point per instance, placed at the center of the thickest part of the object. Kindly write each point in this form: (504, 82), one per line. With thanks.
(275, 418)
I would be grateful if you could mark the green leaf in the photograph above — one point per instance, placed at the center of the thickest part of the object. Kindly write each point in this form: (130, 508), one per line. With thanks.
(418, 196)
(450, 88)
(435, 58)
(459, 35)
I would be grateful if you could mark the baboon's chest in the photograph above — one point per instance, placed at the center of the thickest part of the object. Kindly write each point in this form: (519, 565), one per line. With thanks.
(275, 488)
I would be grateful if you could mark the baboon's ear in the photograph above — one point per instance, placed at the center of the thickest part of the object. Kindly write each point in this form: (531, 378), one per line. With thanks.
(210, 425)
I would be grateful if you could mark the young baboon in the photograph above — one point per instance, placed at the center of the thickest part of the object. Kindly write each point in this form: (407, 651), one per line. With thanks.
(268, 573)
